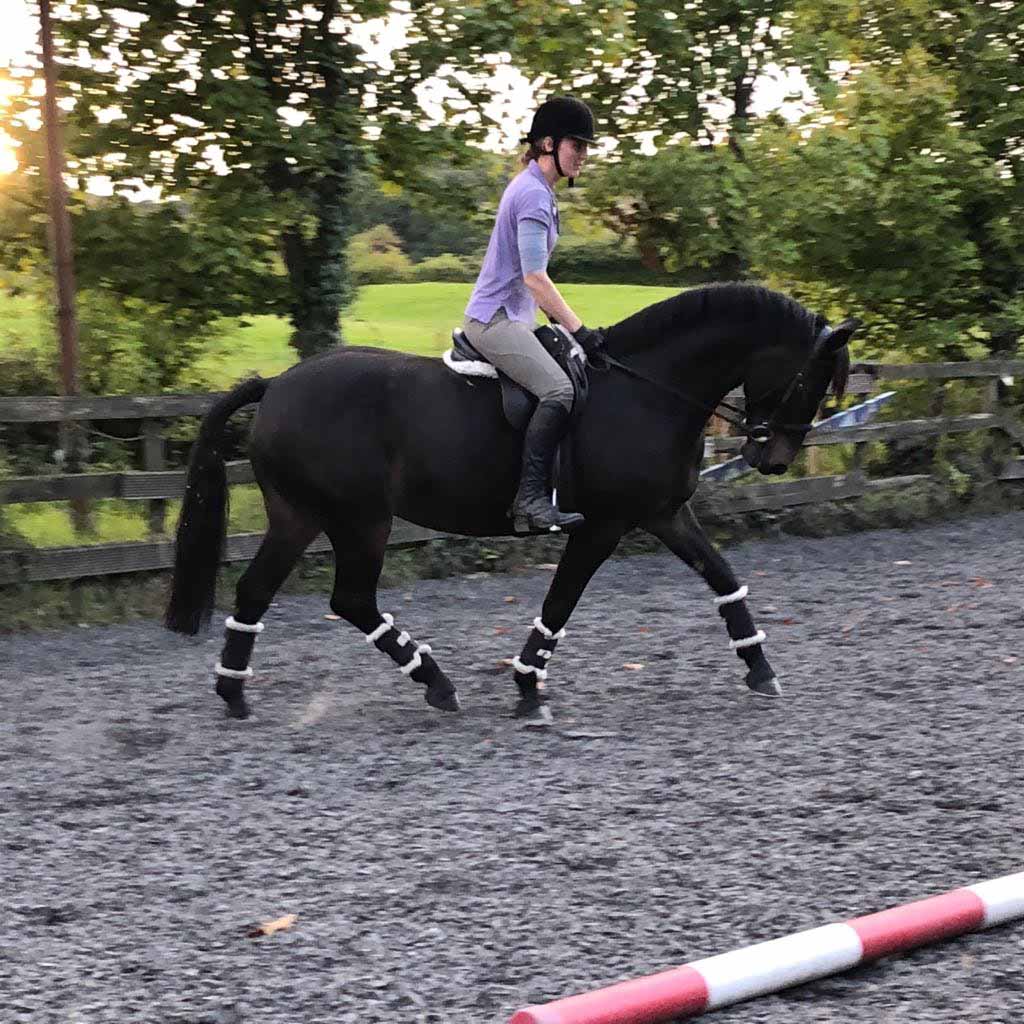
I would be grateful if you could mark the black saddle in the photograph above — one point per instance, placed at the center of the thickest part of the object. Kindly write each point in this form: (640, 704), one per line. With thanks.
(518, 403)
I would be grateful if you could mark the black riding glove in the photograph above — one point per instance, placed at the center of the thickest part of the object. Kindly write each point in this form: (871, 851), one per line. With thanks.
(591, 341)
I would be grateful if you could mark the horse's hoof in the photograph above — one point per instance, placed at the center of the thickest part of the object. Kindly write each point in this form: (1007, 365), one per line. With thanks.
(443, 698)
(230, 691)
(764, 685)
(531, 713)
(238, 709)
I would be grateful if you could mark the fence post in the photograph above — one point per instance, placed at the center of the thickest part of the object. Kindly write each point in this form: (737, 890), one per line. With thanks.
(857, 463)
(73, 445)
(154, 459)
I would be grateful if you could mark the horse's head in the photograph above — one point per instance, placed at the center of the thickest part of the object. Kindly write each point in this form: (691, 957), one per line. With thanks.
(784, 386)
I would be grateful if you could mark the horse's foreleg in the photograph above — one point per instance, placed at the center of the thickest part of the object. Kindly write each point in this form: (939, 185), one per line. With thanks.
(358, 559)
(584, 552)
(684, 536)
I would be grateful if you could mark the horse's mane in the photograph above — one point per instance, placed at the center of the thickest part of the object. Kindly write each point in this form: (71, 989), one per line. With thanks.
(757, 308)
(768, 315)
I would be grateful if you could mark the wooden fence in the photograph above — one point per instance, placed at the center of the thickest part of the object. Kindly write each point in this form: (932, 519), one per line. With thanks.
(155, 484)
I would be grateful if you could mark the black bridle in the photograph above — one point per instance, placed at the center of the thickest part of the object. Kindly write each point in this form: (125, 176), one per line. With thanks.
(760, 431)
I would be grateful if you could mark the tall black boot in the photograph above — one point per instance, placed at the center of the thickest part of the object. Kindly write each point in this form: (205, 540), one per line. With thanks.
(532, 511)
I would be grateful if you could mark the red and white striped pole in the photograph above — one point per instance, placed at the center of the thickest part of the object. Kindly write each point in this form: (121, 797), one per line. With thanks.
(804, 956)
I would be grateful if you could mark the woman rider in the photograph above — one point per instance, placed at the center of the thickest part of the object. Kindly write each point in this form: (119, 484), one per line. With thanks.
(513, 282)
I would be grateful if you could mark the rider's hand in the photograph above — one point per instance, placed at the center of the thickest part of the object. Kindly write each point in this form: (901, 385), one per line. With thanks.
(591, 341)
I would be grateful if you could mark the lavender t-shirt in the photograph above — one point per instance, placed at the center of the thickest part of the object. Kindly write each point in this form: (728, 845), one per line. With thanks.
(500, 283)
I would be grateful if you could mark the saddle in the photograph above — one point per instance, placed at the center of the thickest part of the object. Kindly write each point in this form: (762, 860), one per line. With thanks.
(518, 403)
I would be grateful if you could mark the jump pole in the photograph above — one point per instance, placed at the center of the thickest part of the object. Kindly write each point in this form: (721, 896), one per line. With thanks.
(767, 967)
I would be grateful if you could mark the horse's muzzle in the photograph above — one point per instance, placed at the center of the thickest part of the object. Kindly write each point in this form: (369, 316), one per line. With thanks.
(770, 458)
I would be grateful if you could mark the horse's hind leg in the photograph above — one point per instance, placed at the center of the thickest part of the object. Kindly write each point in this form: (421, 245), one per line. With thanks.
(359, 558)
(289, 534)
(684, 536)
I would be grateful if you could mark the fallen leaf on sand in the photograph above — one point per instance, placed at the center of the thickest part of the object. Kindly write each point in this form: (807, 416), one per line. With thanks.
(633, 666)
(280, 924)
(511, 600)
(331, 617)
(550, 566)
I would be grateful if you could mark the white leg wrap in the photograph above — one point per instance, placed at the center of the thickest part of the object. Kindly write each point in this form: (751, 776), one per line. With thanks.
(242, 627)
(388, 623)
(545, 632)
(416, 659)
(232, 673)
(749, 641)
(520, 666)
(731, 598)
(403, 638)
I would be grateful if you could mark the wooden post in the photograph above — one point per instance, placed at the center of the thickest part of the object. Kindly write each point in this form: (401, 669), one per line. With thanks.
(992, 395)
(996, 455)
(857, 465)
(63, 261)
(63, 256)
(813, 456)
(154, 452)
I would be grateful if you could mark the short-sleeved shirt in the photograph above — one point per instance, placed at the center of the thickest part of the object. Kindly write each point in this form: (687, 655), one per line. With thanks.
(500, 282)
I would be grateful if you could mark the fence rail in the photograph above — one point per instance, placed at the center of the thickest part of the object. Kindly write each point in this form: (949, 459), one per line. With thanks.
(155, 484)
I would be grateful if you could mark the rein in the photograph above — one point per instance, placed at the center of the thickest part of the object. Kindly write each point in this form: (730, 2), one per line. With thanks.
(675, 392)
(759, 432)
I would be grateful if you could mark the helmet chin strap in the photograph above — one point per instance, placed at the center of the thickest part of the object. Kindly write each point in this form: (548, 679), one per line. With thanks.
(558, 166)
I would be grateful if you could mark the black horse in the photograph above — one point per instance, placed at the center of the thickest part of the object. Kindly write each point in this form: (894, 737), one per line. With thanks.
(343, 442)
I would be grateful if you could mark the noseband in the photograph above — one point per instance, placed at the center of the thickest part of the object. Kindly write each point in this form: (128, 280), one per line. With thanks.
(759, 431)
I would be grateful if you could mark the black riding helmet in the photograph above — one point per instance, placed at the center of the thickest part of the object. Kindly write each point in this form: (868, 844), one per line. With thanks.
(562, 117)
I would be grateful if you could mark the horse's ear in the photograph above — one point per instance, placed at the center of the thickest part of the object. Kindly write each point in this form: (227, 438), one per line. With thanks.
(841, 334)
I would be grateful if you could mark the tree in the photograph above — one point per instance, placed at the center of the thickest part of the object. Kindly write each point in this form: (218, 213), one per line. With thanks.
(974, 47)
(188, 77)
(288, 102)
(682, 75)
(267, 109)
(682, 206)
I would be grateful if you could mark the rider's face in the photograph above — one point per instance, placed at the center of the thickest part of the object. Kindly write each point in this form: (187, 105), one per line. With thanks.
(572, 154)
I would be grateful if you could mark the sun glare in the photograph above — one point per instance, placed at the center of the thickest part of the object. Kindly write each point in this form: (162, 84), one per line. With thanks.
(16, 40)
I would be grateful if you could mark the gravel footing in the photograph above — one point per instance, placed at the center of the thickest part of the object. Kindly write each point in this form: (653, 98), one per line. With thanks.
(452, 868)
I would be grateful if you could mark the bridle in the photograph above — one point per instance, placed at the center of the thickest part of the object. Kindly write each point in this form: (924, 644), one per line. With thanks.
(759, 431)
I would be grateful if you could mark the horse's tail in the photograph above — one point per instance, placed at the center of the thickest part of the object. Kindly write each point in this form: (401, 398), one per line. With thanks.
(202, 526)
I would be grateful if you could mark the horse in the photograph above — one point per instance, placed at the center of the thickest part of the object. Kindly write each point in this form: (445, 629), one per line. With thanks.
(344, 441)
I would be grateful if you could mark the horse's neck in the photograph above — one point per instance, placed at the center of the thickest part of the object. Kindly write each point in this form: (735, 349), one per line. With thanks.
(705, 364)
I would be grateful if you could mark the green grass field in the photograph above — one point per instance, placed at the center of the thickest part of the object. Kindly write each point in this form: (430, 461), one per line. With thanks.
(409, 317)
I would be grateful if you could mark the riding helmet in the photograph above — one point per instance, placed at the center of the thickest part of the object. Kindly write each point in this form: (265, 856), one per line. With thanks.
(561, 117)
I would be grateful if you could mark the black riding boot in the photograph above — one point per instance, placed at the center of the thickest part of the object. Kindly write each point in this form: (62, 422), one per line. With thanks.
(532, 511)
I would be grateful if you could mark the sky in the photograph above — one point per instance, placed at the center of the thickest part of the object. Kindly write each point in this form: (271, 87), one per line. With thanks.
(20, 28)
(18, 35)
